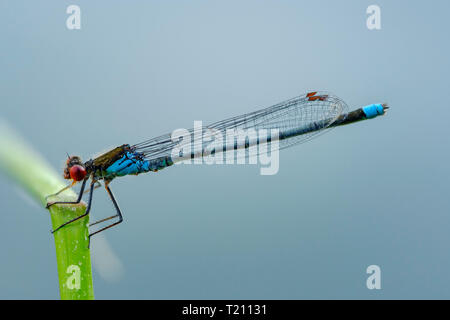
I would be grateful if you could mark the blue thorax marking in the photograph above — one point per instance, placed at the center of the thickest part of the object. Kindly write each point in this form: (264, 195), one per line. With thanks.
(133, 163)
(129, 164)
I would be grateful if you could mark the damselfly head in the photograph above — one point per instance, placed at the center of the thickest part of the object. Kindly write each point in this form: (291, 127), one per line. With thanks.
(74, 169)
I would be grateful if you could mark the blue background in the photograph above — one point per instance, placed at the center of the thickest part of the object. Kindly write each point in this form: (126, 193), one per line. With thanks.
(372, 193)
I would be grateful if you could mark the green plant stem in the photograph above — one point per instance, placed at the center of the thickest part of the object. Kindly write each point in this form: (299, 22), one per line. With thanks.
(29, 170)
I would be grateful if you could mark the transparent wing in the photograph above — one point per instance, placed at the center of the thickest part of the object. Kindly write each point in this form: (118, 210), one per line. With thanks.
(296, 121)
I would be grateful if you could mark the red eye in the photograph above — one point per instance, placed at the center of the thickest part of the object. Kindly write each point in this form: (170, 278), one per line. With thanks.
(77, 172)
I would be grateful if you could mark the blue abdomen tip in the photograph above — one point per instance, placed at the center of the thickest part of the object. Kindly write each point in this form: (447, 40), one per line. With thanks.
(373, 110)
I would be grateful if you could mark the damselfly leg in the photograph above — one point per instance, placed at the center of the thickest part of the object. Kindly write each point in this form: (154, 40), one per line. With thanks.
(63, 189)
(78, 201)
(83, 185)
(116, 206)
(97, 185)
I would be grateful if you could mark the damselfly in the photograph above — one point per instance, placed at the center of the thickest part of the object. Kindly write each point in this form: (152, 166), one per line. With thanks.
(294, 121)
